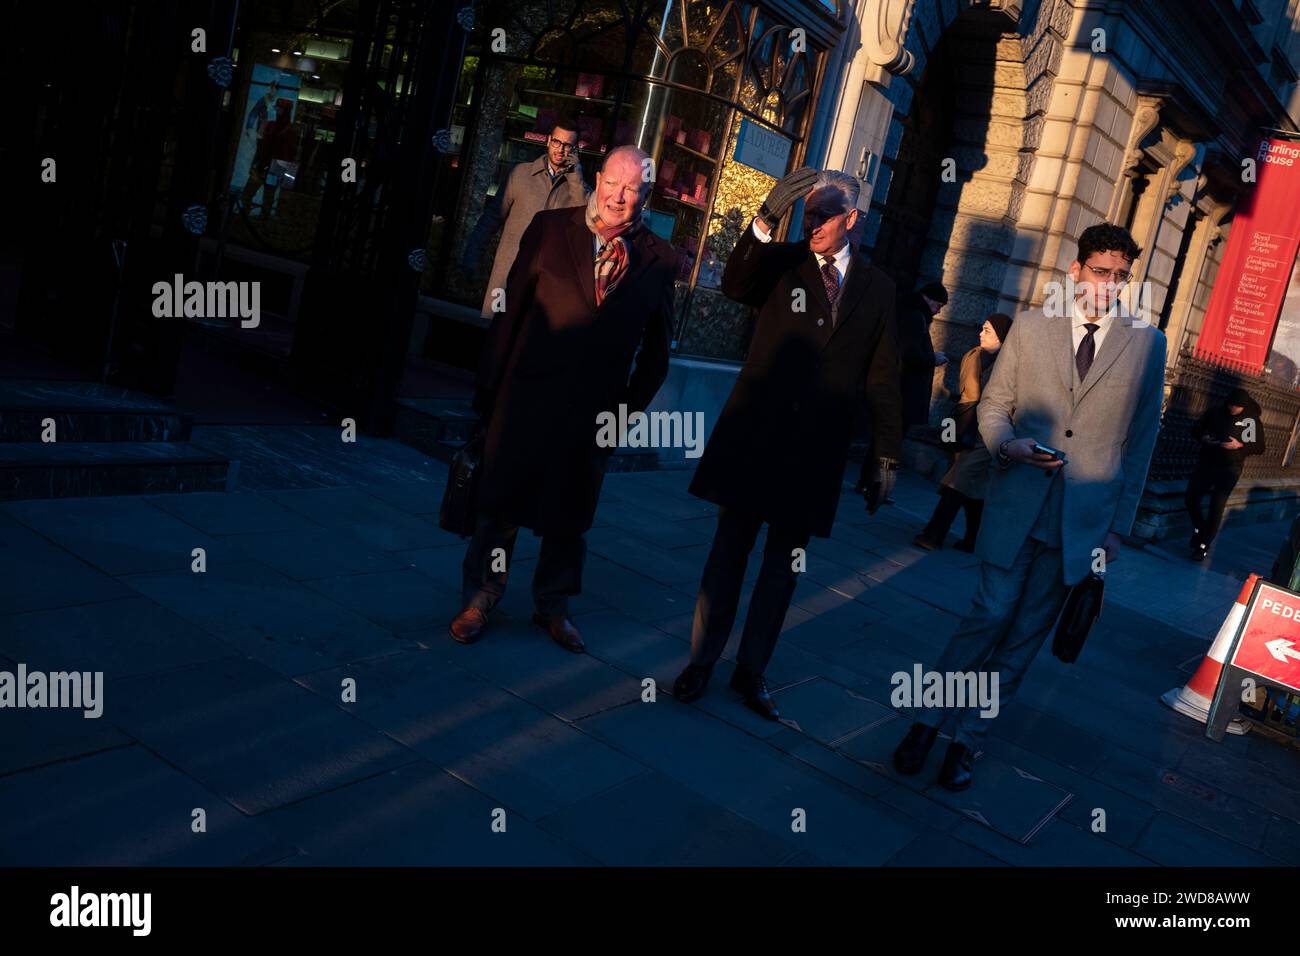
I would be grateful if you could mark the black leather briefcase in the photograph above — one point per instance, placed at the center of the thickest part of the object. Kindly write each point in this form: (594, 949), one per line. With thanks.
(1082, 607)
(459, 511)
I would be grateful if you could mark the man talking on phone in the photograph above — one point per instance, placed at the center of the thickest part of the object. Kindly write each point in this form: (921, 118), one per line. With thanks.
(552, 181)
(1071, 414)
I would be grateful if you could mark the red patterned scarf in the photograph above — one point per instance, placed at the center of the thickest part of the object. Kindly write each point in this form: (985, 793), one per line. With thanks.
(612, 259)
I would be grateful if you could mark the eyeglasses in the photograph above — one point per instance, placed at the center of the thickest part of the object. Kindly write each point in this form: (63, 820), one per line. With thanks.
(563, 146)
(1116, 275)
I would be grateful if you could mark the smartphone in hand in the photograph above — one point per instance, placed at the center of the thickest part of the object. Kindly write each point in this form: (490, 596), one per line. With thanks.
(1042, 449)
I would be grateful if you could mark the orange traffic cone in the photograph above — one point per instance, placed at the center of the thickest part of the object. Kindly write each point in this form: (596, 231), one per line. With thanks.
(1194, 700)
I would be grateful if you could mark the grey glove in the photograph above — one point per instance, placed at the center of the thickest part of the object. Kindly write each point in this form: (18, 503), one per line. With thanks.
(881, 484)
(792, 187)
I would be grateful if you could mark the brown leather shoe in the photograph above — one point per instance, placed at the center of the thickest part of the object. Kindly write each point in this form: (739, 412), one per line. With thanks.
(467, 626)
(562, 632)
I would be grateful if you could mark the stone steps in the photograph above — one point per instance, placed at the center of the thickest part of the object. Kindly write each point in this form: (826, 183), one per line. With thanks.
(86, 412)
(78, 469)
(107, 441)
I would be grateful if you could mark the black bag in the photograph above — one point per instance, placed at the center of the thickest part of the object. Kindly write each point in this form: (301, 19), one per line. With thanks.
(459, 511)
(968, 426)
(1082, 607)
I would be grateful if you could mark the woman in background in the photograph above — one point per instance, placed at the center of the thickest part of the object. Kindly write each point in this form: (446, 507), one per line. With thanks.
(965, 482)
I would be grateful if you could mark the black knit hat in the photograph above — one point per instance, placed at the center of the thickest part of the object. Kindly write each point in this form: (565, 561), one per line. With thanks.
(1001, 323)
(1239, 396)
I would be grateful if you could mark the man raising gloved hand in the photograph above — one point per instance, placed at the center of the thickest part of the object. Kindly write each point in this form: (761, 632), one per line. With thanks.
(792, 187)
(824, 336)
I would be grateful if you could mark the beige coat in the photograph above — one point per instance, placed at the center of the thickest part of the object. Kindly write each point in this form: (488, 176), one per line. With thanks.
(969, 473)
(528, 190)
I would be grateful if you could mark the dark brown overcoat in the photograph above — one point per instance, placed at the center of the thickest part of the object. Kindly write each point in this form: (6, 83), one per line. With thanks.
(553, 361)
(781, 442)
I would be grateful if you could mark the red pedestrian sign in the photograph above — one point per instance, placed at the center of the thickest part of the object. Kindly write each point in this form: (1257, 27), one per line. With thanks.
(1265, 650)
(1269, 645)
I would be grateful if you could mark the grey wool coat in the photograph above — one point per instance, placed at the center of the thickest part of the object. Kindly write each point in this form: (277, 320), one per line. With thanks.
(528, 190)
(1106, 425)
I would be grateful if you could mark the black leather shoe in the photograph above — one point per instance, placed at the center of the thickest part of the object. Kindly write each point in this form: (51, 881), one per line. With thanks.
(966, 546)
(754, 690)
(926, 543)
(691, 682)
(562, 632)
(910, 756)
(958, 764)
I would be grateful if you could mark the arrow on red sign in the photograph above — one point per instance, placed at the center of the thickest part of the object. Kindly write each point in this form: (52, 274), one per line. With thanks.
(1282, 649)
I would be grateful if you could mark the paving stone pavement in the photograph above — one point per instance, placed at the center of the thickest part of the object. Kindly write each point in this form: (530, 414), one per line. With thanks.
(302, 692)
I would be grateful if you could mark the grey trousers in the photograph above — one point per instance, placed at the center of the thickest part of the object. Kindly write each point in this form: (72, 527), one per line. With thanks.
(1011, 616)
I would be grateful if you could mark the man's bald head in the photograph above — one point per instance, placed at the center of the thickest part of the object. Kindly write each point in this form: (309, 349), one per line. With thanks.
(623, 154)
(622, 184)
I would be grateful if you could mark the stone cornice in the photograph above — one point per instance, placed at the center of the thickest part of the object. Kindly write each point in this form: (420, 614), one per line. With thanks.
(884, 34)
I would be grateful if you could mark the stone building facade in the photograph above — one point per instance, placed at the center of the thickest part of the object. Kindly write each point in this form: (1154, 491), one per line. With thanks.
(1049, 116)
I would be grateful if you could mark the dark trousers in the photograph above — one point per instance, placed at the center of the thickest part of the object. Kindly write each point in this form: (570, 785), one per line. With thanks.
(557, 578)
(724, 571)
(1217, 482)
(952, 501)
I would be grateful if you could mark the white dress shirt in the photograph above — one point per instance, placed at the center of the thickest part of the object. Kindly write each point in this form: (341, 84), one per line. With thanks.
(841, 258)
(1103, 323)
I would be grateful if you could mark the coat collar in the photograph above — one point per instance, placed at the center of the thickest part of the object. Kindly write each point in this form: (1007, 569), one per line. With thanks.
(539, 165)
(856, 282)
(582, 252)
(815, 299)
(855, 286)
(1117, 339)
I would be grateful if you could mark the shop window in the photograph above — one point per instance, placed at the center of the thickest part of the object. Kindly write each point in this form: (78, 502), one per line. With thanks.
(686, 137)
(668, 25)
(284, 114)
(717, 30)
(668, 77)
(776, 82)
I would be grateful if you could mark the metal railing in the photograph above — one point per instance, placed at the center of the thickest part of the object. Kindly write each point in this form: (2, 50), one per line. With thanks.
(1197, 385)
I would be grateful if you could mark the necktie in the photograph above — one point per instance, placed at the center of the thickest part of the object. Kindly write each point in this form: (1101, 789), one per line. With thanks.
(1087, 349)
(831, 279)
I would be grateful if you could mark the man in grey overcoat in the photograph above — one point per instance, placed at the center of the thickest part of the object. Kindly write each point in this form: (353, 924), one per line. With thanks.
(1083, 376)
(551, 181)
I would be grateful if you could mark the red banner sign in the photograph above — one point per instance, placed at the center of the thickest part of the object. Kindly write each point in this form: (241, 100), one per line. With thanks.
(1270, 637)
(1256, 266)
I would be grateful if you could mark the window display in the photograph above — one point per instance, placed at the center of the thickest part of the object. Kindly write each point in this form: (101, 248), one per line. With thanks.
(289, 108)
(681, 84)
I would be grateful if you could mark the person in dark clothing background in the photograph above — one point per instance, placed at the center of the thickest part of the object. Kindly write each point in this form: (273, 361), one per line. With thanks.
(1228, 433)
(916, 350)
(964, 484)
(918, 360)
